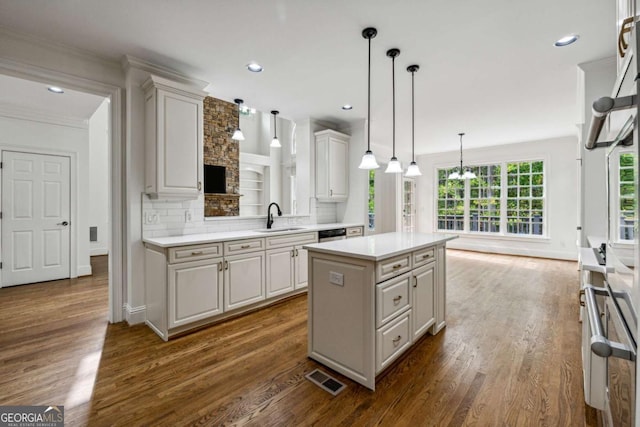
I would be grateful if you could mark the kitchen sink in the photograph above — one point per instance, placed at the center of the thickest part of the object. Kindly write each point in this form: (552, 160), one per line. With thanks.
(273, 230)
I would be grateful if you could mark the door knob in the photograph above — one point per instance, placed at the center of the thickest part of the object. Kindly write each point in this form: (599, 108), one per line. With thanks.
(63, 223)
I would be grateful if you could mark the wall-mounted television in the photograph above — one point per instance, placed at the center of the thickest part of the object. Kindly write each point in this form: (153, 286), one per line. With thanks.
(215, 179)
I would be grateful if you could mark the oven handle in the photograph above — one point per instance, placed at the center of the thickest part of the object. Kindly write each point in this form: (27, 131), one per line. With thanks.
(600, 344)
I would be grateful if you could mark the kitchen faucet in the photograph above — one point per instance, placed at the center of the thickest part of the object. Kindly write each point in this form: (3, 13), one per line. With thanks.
(270, 215)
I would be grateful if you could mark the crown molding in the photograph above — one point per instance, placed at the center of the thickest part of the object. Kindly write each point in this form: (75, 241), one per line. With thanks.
(128, 62)
(22, 113)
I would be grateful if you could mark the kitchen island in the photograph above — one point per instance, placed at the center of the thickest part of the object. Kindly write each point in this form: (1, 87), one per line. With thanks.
(371, 298)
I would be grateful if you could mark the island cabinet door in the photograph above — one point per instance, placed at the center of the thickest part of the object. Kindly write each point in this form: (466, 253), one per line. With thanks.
(244, 280)
(195, 291)
(280, 263)
(302, 267)
(423, 279)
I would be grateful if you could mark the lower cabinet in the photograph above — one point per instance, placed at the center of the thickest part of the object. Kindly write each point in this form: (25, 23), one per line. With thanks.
(423, 279)
(195, 291)
(189, 286)
(244, 282)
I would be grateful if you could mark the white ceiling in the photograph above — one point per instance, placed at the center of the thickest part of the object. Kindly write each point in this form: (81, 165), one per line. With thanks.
(487, 68)
(35, 97)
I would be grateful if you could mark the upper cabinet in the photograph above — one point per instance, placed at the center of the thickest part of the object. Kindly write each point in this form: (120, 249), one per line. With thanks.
(173, 139)
(332, 166)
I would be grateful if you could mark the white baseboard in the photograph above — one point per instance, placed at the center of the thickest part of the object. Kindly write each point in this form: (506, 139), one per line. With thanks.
(84, 270)
(98, 251)
(532, 252)
(135, 315)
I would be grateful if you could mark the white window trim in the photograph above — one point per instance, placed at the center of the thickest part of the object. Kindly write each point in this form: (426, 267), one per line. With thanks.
(503, 202)
(614, 196)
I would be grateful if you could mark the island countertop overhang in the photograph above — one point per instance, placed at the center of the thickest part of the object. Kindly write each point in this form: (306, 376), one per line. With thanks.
(378, 247)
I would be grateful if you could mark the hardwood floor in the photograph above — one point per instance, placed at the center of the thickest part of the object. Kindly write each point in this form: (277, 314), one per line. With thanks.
(509, 356)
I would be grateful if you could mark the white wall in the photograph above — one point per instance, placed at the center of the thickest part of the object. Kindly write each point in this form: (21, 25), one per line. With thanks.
(559, 155)
(99, 177)
(58, 139)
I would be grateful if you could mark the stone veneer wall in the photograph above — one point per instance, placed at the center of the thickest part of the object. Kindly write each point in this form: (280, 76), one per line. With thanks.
(220, 120)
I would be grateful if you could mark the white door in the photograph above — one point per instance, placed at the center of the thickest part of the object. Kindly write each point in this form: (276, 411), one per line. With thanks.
(35, 218)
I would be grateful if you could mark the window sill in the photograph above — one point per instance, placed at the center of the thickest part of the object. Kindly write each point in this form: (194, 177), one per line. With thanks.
(496, 236)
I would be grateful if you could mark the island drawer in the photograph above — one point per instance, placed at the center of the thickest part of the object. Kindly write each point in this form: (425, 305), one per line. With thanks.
(291, 240)
(392, 340)
(194, 252)
(392, 297)
(424, 256)
(392, 267)
(242, 246)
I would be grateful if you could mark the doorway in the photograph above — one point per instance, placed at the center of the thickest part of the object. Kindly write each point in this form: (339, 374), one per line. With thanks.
(36, 197)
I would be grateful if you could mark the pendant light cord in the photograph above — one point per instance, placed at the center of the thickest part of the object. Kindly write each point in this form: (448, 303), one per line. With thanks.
(369, 100)
(413, 121)
(393, 88)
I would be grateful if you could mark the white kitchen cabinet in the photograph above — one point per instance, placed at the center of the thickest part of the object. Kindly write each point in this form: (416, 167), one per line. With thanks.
(287, 263)
(280, 271)
(332, 166)
(244, 282)
(423, 281)
(173, 139)
(195, 291)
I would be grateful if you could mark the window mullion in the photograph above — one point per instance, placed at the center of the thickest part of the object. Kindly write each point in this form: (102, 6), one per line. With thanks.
(467, 205)
(503, 198)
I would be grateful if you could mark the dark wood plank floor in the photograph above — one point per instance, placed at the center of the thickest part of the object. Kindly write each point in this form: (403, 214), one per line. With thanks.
(509, 356)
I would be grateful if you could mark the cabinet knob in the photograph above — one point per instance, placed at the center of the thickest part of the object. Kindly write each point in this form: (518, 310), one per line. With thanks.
(397, 299)
(396, 340)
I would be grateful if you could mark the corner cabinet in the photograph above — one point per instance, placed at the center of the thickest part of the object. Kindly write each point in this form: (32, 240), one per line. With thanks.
(173, 139)
(332, 166)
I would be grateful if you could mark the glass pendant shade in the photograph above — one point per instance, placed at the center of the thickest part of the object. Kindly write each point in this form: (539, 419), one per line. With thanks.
(369, 161)
(394, 166)
(455, 175)
(275, 143)
(468, 174)
(237, 135)
(413, 170)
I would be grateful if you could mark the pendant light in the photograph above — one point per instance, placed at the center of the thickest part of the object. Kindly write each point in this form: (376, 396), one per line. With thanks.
(462, 173)
(237, 135)
(394, 164)
(275, 143)
(368, 159)
(413, 169)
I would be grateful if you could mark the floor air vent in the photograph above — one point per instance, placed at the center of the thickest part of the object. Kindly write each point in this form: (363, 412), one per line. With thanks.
(325, 382)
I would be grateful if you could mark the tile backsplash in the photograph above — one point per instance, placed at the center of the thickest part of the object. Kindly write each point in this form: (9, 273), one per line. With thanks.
(162, 218)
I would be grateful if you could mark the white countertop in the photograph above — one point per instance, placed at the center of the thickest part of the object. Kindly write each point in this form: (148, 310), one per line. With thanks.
(196, 239)
(380, 246)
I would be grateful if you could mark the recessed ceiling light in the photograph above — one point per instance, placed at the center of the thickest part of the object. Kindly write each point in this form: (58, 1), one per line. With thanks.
(55, 89)
(347, 107)
(254, 67)
(566, 40)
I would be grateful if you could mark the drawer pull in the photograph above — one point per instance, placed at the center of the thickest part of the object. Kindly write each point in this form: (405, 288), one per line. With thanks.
(415, 282)
(396, 340)
(220, 266)
(197, 252)
(397, 299)
(426, 256)
(245, 246)
(293, 254)
(296, 252)
(397, 266)
(226, 265)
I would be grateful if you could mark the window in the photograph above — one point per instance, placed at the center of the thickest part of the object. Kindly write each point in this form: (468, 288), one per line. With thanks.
(504, 198)
(484, 199)
(450, 201)
(409, 205)
(372, 199)
(525, 198)
(626, 197)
